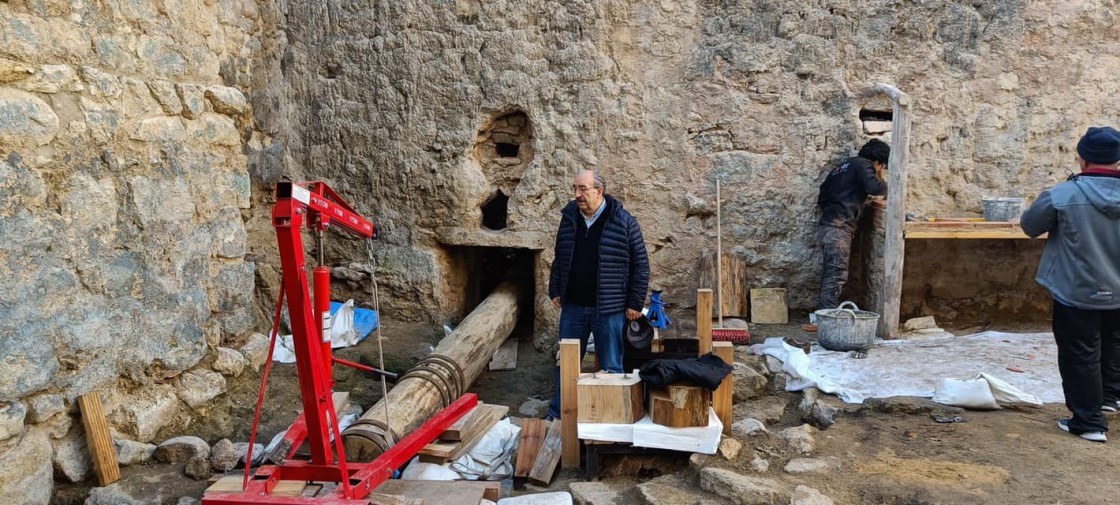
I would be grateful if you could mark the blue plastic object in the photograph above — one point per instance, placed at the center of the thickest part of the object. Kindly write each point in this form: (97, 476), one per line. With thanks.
(656, 313)
(365, 320)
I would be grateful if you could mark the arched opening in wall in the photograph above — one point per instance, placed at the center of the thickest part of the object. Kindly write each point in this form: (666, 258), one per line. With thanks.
(478, 270)
(876, 122)
(503, 150)
(495, 211)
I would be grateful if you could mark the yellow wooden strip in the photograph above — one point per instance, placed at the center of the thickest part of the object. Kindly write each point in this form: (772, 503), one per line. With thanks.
(100, 443)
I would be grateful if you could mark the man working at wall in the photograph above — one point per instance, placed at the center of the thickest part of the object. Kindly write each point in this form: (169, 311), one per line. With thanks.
(600, 274)
(842, 196)
(1081, 268)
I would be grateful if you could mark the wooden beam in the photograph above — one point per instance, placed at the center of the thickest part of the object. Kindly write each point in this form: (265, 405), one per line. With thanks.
(895, 244)
(550, 453)
(569, 401)
(98, 439)
(723, 395)
(704, 319)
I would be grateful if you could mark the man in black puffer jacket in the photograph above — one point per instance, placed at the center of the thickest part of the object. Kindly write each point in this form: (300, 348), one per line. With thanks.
(600, 274)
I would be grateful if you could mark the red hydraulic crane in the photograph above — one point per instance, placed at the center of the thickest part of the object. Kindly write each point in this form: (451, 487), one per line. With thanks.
(321, 208)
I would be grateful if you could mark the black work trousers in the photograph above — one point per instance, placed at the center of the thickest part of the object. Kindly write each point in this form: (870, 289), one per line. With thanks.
(836, 244)
(1089, 362)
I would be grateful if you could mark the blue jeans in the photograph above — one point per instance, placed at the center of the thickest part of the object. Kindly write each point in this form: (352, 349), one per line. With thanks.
(580, 322)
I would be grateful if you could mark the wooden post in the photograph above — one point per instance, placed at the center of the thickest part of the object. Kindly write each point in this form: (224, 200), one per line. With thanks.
(722, 398)
(704, 320)
(569, 402)
(895, 245)
(98, 439)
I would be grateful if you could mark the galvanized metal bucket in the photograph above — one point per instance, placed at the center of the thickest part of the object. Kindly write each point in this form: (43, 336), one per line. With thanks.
(844, 329)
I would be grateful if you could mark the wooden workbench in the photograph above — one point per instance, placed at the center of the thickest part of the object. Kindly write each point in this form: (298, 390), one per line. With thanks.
(963, 230)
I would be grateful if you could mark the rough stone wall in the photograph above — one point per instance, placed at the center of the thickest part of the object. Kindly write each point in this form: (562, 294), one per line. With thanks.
(123, 178)
(665, 97)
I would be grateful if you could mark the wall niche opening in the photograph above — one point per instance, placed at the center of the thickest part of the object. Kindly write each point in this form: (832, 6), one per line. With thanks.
(495, 211)
(503, 150)
(482, 269)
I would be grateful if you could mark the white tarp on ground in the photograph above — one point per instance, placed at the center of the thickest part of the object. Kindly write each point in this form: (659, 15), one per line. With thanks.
(1027, 361)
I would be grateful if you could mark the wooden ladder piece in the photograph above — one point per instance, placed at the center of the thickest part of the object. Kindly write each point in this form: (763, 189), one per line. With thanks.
(100, 443)
(532, 438)
(549, 456)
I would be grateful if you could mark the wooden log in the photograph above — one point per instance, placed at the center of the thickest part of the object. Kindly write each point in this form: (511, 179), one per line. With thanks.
(100, 443)
(569, 401)
(549, 455)
(704, 319)
(679, 406)
(706, 270)
(413, 400)
(722, 398)
(735, 290)
(529, 446)
(734, 285)
(610, 398)
(894, 248)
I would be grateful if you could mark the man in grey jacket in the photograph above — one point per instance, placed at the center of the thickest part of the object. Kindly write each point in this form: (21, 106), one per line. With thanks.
(1081, 268)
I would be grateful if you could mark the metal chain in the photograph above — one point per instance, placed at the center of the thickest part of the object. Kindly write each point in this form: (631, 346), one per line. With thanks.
(380, 322)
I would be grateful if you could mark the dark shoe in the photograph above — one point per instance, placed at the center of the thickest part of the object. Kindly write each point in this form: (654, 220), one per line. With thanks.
(1109, 408)
(1092, 436)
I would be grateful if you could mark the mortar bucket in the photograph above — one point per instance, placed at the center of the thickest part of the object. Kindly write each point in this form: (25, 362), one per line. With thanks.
(1002, 208)
(844, 329)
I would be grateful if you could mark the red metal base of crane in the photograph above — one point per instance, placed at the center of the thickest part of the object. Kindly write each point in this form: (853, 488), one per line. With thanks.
(317, 205)
(363, 477)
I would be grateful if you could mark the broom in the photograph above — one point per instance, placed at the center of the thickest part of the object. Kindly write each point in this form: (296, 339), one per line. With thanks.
(719, 333)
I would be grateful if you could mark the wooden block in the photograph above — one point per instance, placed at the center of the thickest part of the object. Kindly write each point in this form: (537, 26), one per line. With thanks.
(680, 406)
(505, 358)
(704, 319)
(722, 398)
(768, 306)
(391, 499)
(455, 431)
(232, 484)
(610, 398)
(458, 492)
(734, 297)
(549, 455)
(569, 406)
(100, 443)
(529, 445)
(481, 424)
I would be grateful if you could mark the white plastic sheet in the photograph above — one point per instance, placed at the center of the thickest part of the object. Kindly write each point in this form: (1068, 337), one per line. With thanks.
(1025, 361)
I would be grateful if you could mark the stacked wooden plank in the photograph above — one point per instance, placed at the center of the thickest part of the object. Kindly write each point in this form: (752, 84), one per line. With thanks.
(464, 434)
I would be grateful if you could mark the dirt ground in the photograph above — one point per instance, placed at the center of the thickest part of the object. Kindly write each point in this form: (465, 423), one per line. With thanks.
(1002, 457)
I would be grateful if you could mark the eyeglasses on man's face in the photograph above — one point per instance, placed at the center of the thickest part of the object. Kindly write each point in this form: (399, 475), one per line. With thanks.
(584, 189)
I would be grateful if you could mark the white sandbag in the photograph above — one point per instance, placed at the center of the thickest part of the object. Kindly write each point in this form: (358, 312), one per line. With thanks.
(1007, 395)
(972, 393)
(417, 470)
(492, 457)
(343, 333)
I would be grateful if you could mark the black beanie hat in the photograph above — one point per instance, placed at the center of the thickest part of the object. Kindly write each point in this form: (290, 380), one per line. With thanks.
(1100, 145)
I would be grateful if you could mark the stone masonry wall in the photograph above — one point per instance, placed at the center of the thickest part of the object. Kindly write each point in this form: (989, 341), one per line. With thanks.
(122, 247)
(664, 98)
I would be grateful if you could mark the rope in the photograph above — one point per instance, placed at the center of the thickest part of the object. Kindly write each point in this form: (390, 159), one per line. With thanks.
(380, 323)
(264, 385)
